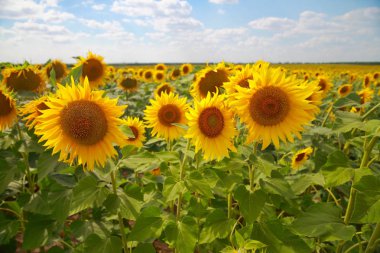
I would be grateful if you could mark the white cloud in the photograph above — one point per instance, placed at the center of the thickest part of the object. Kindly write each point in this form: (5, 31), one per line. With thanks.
(224, 1)
(138, 8)
(221, 11)
(99, 7)
(46, 10)
(111, 26)
(272, 23)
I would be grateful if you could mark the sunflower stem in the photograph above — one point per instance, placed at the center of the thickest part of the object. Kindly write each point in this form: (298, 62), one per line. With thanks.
(370, 111)
(229, 205)
(371, 246)
(327, 115)
(181, 177)
(25, 157)
(364, 162)
(121, 223)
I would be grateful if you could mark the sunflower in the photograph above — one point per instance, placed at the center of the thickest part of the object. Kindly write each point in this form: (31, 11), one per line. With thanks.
(159, 76)
(33, 109)
(367, 81)
(8, 111)
(160, 66)
(138, 130)
(175, 74)
(315, 98)
(26, 78)
(163, 88)
(240, 78)
(148, 75)
(365, 95)
(128, 84)
(94, 68)
(164, 111)
(82, 125)
(208, 80)
(324, 85)
(60, 70)
(301, 157)
(344, 90)
(274, 107)
(186, 68)
(211, 127)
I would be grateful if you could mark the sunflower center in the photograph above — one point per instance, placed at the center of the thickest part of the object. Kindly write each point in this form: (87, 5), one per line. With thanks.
(59, 70)
(344, 89)
(244, 82)
(159, 76)
(322, 84)
(185, 69)
(163, 89)
(93, 69)
(41, 106)
(176, 73)
(135, 133)
(26, 80)
(5, 105)
(269, 106)
(129, 83)
(211, 81)
(300, 157)
(84, 121)
(148, 75)
(169, 114)
(211, 122)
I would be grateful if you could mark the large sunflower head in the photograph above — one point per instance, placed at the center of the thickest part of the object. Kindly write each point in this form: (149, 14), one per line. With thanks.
(209, 80)
(128, 84)
(301, 157)
(94, 68)
(25, 78)
(138, 130)
(163, 88)
(324, 85)
(365, 95)
(211, 127)
(60, 69)
(82, 125)
(148, 75)
(175, 74)
(8, 110)
(274, 108)
(239, 78)
(163, 112)
(159, 76)
(33, 109)
(344, 90)
(160, 67)
(186, 69)
(367, 81)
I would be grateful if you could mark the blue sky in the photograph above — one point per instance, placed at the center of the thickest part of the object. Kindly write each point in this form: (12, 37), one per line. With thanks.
(190, 31)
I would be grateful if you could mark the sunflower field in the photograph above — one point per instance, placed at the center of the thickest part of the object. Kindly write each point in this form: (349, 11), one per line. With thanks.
(188, 158)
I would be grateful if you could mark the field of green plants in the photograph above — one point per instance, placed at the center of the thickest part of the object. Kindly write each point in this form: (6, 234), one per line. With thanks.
(189, 158)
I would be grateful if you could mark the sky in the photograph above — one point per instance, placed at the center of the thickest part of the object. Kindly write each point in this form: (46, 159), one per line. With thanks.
(142, 31)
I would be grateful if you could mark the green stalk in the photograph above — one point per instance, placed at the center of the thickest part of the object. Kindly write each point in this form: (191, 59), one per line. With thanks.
(229, 205)
(121, 223)
(327, 115)
(181, 177)
(25, 157)
(370, 111)
(371, 246)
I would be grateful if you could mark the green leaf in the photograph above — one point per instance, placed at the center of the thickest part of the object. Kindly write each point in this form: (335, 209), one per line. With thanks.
(36, 231)
(46, 164)
(366, 208)
(337, 170)
(112, 203)
(217, 225)
(346, 121)
(278, 238)
(75, 73)
(144, 248)
(323, 220)
(183, 234)
(266, 165)
(64, 179)
(127, 131)
(172, 188)
(195, 182)
(148, 225)
(96, 244)
(278, 186)
(305, 180)
(250, 203)
(8, 228)
(53, 77)
(6, 174)
(351, 99)
(254, 245)
(86, 193)
(130, 206)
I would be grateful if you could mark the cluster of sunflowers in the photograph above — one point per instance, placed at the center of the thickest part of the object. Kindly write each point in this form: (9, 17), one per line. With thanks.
(82, 124)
